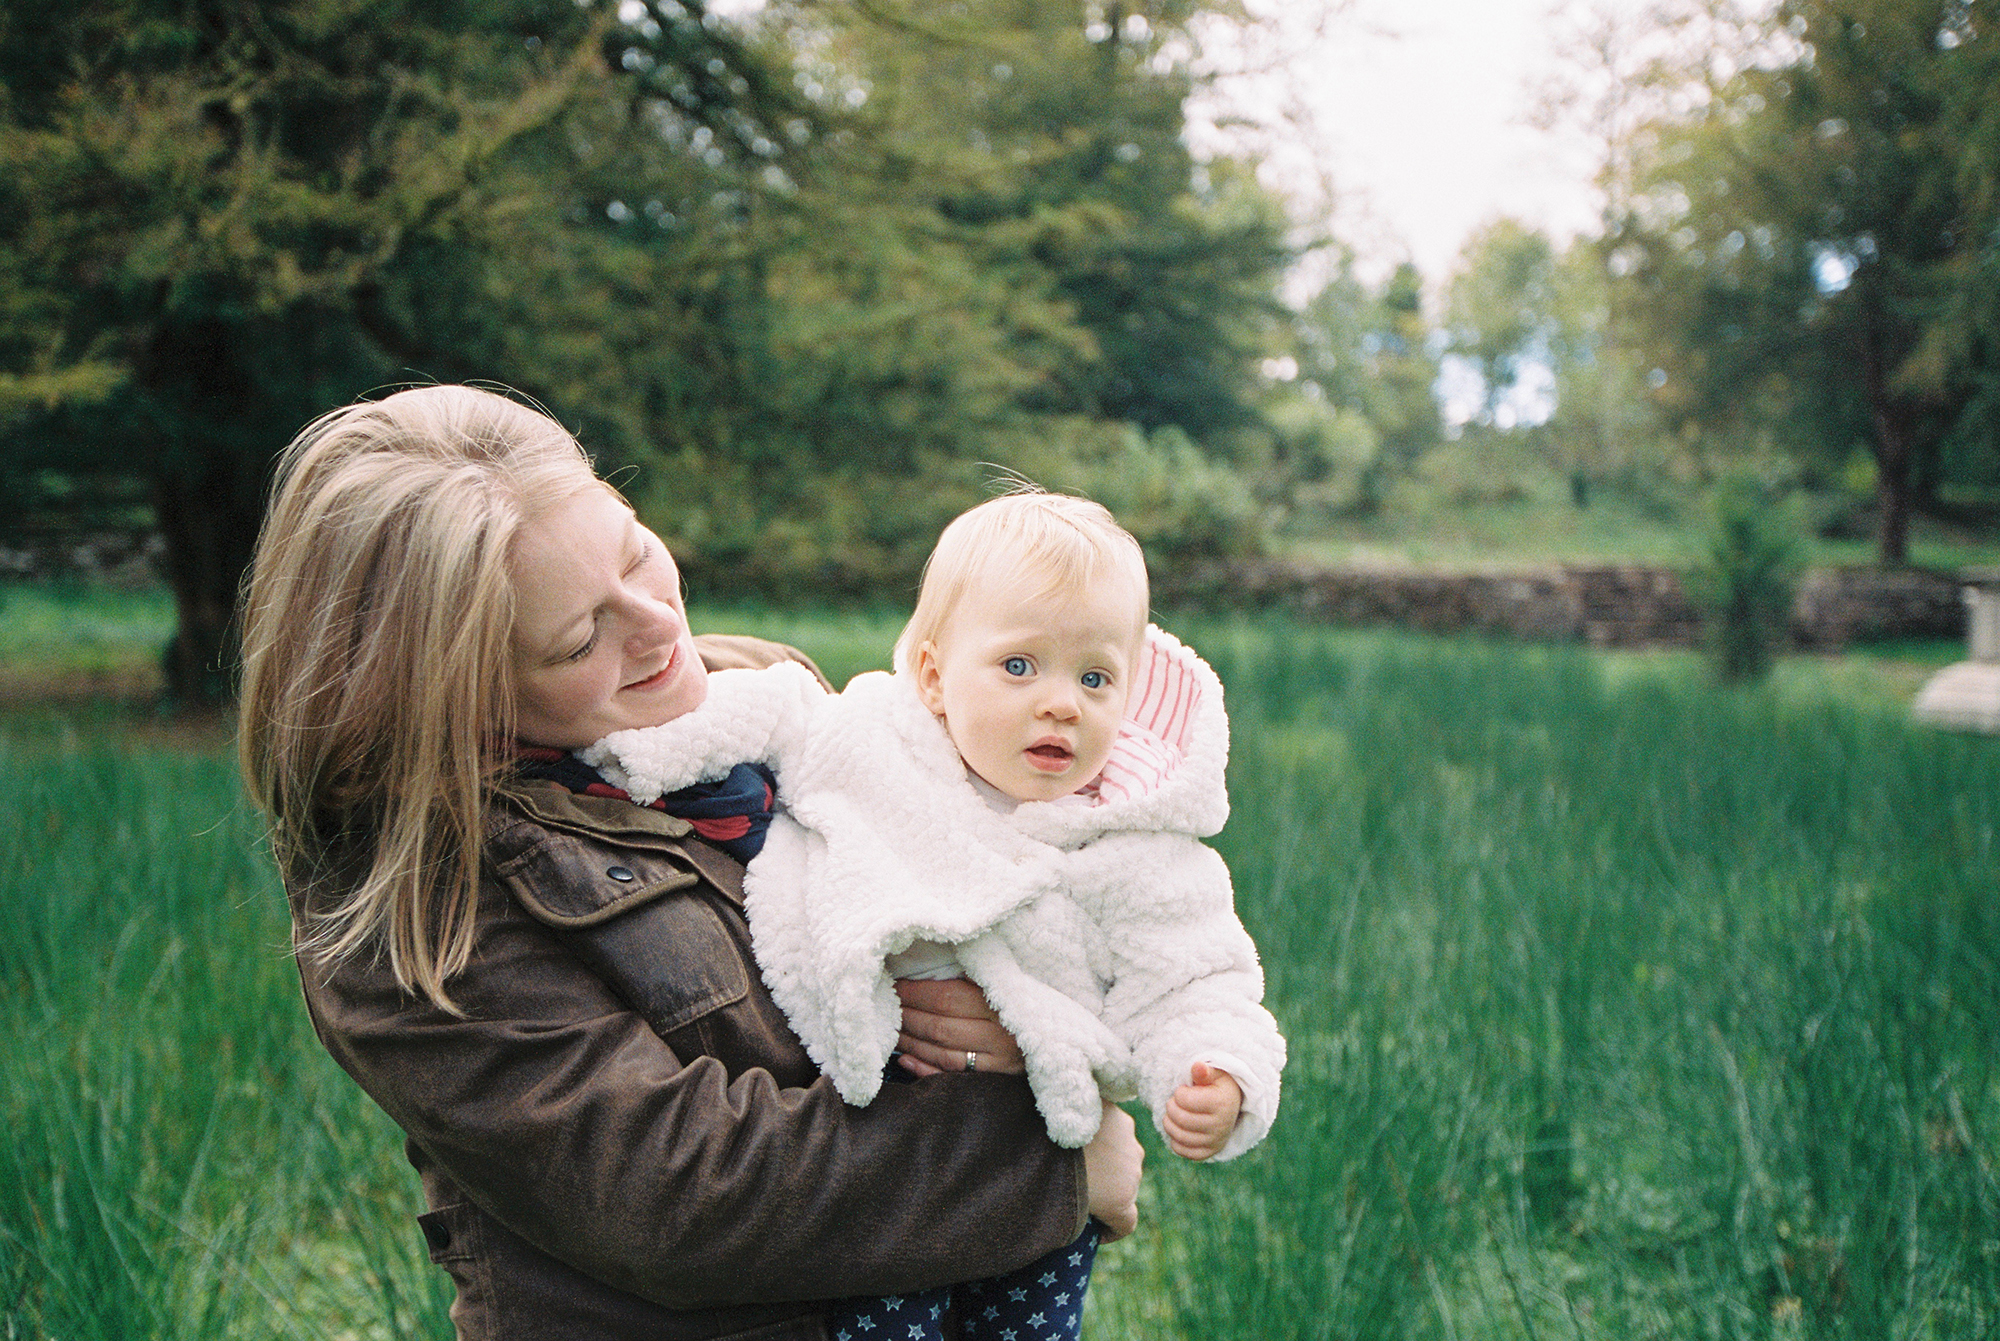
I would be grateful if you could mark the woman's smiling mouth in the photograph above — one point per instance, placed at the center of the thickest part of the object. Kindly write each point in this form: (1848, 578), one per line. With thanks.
(660, 676)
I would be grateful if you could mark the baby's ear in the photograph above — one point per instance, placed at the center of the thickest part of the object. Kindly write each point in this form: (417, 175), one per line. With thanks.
(930, 677)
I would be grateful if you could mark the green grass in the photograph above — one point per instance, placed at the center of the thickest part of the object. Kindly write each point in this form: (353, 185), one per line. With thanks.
(1620, 1006)
(181, 1158)
(68, 639)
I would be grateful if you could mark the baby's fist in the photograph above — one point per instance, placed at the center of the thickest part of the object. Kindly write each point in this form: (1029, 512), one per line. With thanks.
(1203, 1112)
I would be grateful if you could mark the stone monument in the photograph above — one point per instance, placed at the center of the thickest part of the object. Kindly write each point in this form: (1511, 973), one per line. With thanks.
(1965, 696)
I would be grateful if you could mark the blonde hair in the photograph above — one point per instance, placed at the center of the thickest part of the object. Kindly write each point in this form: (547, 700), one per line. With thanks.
(1028, 533)
(378, 686)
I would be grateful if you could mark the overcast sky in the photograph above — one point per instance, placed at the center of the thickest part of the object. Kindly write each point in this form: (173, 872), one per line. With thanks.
(1420, 117)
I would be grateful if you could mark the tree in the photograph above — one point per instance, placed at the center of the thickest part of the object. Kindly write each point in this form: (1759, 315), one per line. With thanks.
(1056, 138)
(1369, 354)
(1806, 238)
(1001, 253)
(1603, 429)
(224, 217)
(1500, 307)
(819, 259)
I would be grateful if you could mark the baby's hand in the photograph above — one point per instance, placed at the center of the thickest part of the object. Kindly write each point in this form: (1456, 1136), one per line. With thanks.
(1203, 1112)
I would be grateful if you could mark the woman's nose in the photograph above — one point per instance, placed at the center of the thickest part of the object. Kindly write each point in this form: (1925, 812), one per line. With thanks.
(655, 624)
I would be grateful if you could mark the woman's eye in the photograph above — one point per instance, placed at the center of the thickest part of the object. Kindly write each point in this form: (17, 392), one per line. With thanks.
(1015, 665)
(583, 651)
(1095, 680)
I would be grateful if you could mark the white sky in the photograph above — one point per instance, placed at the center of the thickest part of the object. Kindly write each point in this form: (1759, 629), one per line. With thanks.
(1418, 113)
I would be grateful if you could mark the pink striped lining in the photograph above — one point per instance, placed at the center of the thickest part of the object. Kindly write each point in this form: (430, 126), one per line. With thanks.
(1154, 737)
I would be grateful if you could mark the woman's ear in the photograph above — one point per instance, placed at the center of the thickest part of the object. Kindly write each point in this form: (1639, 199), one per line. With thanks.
(930, 678)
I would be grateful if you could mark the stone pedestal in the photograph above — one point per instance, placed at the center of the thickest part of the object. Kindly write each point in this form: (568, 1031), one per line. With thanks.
(1966, 696)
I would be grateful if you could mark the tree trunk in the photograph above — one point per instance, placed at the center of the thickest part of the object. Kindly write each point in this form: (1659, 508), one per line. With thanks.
(1892, 456)
(209, 533)
(1892, 532)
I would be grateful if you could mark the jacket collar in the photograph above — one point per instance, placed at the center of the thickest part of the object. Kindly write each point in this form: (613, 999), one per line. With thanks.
(551, 845)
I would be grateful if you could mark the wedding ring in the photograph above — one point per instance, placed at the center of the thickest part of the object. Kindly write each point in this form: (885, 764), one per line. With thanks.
(972, 1061)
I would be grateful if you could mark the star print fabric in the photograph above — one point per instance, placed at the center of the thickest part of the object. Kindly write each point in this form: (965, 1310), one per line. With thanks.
(1042, 1301)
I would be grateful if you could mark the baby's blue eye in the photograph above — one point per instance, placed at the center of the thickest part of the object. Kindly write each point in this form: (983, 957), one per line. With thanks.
(1015, 665)
(1094, 680)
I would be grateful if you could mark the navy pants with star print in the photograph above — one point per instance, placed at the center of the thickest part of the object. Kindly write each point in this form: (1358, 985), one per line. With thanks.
(1042, 1301)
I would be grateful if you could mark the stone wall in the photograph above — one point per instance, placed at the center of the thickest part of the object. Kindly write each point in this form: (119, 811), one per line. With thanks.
(1838, 606)
(122, 558)
(1605, 605)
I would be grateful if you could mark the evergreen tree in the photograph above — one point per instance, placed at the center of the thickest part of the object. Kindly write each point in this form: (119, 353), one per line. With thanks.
(808, 266)
(222, 217)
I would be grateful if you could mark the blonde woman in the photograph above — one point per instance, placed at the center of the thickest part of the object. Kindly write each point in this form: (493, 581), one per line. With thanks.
(551, 990)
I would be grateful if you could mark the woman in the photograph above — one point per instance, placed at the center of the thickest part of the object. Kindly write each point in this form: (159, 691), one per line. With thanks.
(550, 991)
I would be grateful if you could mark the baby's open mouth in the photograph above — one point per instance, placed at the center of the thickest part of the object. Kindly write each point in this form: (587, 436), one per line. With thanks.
(1051, 754)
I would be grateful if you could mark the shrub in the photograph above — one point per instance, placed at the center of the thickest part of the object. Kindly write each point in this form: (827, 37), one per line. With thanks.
(1744, 585)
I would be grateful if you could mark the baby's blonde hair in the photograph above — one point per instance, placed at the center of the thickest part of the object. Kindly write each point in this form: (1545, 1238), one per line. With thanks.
(1027, 535)
(378, 689)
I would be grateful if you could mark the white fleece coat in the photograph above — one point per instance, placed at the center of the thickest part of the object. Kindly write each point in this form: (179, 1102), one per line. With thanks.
(1104, 934)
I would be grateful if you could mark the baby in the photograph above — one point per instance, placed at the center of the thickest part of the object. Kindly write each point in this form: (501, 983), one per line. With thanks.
(1022, 804)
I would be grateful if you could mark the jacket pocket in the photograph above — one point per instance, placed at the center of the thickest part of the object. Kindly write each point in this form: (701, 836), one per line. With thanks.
(449, 1234)
(567, 881)
(673, 960)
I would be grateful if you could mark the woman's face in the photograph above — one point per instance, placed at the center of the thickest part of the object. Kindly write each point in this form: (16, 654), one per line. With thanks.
(601, 639)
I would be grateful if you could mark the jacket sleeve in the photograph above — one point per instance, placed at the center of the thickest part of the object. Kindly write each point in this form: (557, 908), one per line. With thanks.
(1186, 984)
(683, 1178)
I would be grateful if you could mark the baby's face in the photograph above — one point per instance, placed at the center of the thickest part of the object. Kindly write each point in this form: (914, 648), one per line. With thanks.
(1031, 687)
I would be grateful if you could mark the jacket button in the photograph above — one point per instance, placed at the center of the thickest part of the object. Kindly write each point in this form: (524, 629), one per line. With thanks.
(621, 874)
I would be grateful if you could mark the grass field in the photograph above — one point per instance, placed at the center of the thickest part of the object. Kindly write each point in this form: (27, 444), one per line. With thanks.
(1620, 1006)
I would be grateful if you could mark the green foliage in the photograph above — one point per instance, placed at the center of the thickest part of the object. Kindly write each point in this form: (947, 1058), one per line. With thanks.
(1805, 244)
(821, 257)
(1744, 585)
(1179, 503)
(1325, 460)
(1605, 432)
(1365, 358)
(223, 220)
(1009, 262)
(1500, 306)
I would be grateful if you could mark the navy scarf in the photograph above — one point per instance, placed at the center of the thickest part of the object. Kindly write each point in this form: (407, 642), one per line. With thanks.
(733, 812)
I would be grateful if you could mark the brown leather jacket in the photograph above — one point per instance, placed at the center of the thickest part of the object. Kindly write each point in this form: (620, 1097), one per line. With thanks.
(623, 1139)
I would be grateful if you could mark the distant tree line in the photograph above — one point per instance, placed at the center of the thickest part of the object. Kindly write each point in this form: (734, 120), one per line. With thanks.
(1798, 268)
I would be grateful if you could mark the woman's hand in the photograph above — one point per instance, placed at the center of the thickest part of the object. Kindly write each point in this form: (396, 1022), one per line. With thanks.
(947, 1026)
(1111, 1166)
